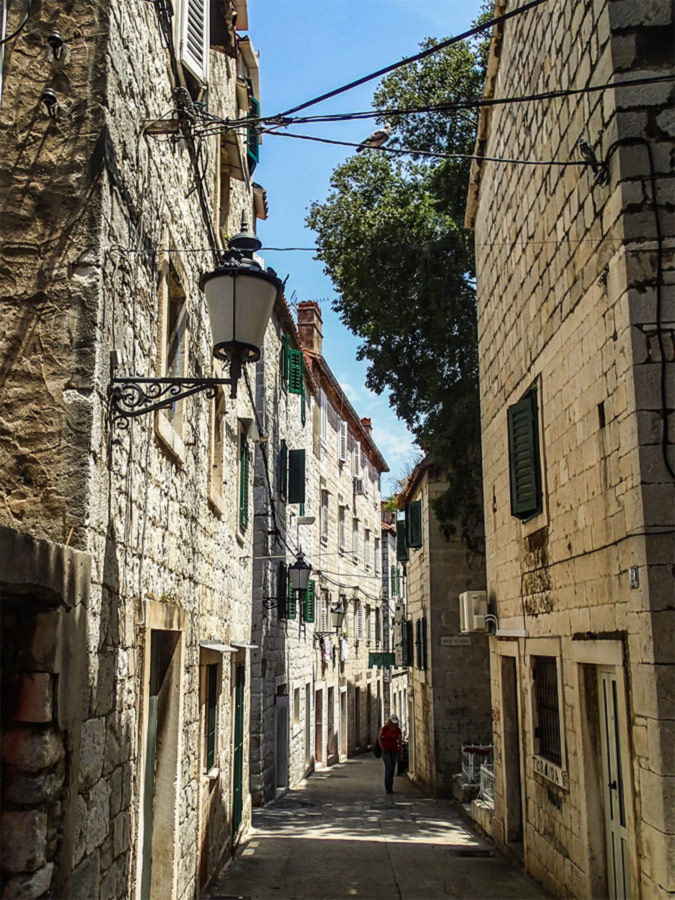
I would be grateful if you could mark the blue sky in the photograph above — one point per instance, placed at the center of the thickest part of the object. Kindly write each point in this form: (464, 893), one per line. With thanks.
(308, 47)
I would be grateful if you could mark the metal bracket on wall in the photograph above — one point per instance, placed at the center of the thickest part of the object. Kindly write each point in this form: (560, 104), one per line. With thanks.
(131, 397)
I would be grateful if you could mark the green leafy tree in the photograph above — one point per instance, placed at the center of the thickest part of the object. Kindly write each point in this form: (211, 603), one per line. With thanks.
(392, 240)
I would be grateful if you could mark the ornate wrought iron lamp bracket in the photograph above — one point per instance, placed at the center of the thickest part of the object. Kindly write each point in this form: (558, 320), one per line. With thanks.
(131, 397)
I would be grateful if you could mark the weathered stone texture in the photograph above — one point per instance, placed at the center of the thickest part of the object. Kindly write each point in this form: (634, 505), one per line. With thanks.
(451, 697)
(567, 302)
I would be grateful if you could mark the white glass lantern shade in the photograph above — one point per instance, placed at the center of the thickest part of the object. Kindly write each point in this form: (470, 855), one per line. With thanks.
(240, 300)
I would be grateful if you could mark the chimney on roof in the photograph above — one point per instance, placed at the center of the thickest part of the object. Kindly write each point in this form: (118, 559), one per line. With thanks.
(368, 425)
(310, 326)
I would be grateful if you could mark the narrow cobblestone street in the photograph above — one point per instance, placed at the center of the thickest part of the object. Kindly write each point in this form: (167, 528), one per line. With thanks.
(339, 835)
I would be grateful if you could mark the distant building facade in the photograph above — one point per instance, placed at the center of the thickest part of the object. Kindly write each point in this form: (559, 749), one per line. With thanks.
(576, 320)
(448, 672)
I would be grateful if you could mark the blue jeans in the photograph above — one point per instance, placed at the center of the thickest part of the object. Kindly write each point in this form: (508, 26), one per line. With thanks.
(389, 759)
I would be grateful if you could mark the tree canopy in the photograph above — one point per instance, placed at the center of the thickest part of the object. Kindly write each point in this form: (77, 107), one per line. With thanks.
(392, 240)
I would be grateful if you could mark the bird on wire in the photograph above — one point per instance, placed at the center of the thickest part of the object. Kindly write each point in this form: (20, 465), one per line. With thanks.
(376, 139)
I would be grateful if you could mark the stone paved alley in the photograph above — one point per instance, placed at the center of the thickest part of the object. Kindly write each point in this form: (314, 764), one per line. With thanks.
(339, 835)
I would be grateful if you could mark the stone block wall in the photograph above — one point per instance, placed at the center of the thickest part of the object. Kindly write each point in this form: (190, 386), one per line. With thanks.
(451, 698)
(96, 212)
(567, 273)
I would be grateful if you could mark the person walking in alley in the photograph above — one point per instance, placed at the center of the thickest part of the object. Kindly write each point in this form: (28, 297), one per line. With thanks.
(390, 740)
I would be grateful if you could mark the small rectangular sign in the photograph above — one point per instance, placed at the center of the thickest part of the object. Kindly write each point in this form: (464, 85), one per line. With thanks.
(458, 640)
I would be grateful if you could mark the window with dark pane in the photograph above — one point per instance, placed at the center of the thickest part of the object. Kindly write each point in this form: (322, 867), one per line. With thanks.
(244, 469)
(401, 545)
(211, 708)
(282, 590)
(524, 465)
(547, 708)
(282, 478)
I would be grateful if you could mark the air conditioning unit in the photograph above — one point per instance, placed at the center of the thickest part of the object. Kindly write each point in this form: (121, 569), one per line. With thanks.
(399, 613)
(472, 611)
(358, 486)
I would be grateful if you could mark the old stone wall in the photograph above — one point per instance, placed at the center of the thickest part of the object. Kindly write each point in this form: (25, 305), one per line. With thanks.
(104, 224)
(451, 698)
(567, 273)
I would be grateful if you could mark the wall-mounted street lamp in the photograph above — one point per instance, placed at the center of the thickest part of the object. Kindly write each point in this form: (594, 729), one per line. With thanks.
(240, 296)
(337, 618)
(300, 572)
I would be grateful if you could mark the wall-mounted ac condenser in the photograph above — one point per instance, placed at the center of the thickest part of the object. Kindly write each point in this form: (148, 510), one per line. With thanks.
(472, 611)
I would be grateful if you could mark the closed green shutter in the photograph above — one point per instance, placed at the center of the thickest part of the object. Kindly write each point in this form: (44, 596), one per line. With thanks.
(394, 585)
(296, 476)
(282, 590)
(252, 139)
(310, 602)
(243, 483)
(283, 470)
(413, 524)
(295, 379)
(418, 643)
(525, 472)
(401, 545)
(291, 602)
(423, 639)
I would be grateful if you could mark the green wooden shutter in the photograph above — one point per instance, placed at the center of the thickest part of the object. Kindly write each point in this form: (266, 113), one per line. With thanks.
(413, 524)
(310, 602)
(295, 379)
(291, 602)
(525, 472)
(401, 545)
(283, 470)
(211, 697)
(296, 476)
(282, 590)
(303, 405)
(252, 139)
(394, 585)
(418, 643)
(243, 483)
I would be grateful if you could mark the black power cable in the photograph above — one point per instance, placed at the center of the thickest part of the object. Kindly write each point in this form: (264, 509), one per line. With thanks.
(21, 26)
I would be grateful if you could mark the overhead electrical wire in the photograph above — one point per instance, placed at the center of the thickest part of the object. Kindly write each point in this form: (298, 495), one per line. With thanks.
(457, 106)
(20, 27)
(430, 153)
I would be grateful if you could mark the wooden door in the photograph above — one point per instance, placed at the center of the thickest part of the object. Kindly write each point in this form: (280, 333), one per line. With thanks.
(613, 763)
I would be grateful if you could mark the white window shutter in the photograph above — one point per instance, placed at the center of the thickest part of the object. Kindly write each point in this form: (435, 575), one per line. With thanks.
(194, 37)
(356, 460)
(342, 449)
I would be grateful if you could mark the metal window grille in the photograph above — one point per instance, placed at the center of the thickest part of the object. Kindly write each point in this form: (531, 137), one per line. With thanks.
(547, 730)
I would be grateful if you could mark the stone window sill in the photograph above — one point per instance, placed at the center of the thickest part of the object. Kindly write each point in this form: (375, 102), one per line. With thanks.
(213, 774)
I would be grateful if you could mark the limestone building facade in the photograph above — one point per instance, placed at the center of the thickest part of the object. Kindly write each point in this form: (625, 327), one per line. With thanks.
(348, 692)
(448, 672)
(576, 312)
(394, 614)
(126, 551)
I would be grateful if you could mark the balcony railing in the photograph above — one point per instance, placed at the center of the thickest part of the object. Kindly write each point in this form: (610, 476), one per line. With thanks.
(473, 755)
(486, 792)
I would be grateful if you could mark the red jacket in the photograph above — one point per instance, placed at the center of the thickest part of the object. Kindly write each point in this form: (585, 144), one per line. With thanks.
(390, 737)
